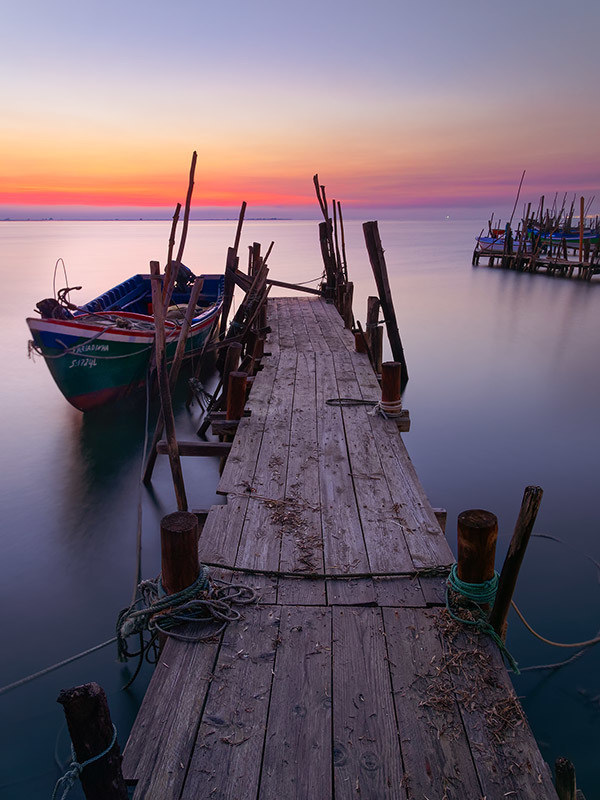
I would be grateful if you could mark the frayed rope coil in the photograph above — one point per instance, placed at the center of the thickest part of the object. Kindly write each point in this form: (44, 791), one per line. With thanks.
(157, 612)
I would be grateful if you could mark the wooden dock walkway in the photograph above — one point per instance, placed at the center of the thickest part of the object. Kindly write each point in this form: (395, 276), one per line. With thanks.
(336, 687)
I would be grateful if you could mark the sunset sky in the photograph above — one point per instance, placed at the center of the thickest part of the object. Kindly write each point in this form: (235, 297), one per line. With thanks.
(425, 105)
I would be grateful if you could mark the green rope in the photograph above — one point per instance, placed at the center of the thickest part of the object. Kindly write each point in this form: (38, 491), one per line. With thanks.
(156, 612)
(478, 594)
(67, 781)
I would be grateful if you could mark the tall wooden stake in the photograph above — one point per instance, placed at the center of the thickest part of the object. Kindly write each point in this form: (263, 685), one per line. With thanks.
(376, 257)
(173, 375)
(163, 388)
(530, 505)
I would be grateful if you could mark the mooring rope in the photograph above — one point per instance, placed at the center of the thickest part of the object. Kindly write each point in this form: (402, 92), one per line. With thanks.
(388, 410)
(585, 644)
(67, 781)
(154, 611)
(478, 594)
(424, 572)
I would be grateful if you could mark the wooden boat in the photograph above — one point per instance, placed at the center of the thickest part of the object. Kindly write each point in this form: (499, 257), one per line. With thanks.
(101, 351)
(496, 244)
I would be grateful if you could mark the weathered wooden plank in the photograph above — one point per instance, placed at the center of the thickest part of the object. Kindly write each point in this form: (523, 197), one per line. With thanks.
(302, 539)
(260, 544)
(343, 541)
(366, 757)
(317, 342)
(226, 759)
(163, 734)
(396, 592)
(383, 534)
(241, 463)
(435, 751)
(506, 755)
(297, 757)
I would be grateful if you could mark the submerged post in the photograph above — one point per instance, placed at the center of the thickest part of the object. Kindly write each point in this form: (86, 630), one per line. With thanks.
(530, 505)
(91, 730)
(179, 534)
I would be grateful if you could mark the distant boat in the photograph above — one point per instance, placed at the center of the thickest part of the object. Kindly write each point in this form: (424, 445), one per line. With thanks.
(497, 244)
(571, 238)
(100, 352)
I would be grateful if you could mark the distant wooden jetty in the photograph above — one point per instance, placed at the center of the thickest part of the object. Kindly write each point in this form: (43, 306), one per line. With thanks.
(545, 241)
(352, 681)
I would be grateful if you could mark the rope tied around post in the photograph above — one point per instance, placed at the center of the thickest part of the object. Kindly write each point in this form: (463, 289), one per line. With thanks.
(75, 769)
(477, 595)
(157, 612)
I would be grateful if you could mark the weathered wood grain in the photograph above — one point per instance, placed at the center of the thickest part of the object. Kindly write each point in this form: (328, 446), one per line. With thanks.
(435, 751)
(344, 544)
(297, 757)
(302, 537)
(226, 759)
(366, 750)
(161, 741)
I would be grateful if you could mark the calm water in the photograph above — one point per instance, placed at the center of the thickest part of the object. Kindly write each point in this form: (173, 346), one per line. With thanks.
(504, 392)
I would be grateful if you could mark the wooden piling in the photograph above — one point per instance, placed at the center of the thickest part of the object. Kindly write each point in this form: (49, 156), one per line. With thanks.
(179, 551)
(532, 498)
(91, 730)
(566, 784)
(477, 535)
(360, 344)
(164, 390)
(236, 395)
(376, 257)
(232, 361)
(391, 383)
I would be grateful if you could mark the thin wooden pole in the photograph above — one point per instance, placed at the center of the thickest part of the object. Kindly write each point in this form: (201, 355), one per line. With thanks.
(530, 505)
(179, 551)
(173, 375)
(168, 287)
(238, 232)
(232, 360)
(477, 535)
(229, 288)
(581, 226)
(91, 730)
(169, 265)
(188, 205)
(163, 388)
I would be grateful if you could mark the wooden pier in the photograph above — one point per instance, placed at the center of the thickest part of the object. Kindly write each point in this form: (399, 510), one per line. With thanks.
(560, 266)
(348, 680)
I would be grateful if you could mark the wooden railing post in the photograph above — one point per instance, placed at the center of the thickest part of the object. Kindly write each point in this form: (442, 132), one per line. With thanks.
(179, 551)
(91, 730)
